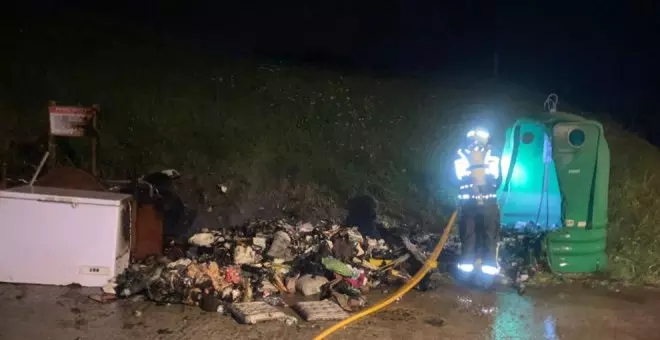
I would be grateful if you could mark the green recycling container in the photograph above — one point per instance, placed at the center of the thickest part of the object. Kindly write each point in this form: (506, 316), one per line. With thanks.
(556, 175)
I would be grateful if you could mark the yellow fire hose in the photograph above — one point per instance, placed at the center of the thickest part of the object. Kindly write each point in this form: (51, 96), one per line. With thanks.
(428, 265)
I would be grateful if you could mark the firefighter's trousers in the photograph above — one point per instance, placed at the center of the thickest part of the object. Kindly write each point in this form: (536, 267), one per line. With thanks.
(479, 231)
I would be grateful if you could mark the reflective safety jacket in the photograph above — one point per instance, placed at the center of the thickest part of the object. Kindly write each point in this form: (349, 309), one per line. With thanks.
(478, 172)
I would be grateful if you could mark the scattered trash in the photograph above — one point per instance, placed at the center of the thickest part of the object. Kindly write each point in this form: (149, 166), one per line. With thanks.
(337, 267)
(485, 310)
(522, 258)
(212, 304)
(310, 284)
(320, 311)
(275, 301)
(202, 239)
(254, 312)
(280, 247)
(103, 298)
(291, 283)
(110, 288)
(259, 242)
(463, 302)
(244, 255)
(349, 303)
(137, 298)
(306, 228)
(247, 269)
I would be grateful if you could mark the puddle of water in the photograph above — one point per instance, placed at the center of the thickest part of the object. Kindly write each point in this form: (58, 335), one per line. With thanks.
(512, 318)
(516, 318)
(550, 329)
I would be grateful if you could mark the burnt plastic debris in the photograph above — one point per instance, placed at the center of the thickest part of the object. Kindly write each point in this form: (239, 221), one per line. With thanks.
(362, 213)
(521, 257)
(266, 260)
(157, 189)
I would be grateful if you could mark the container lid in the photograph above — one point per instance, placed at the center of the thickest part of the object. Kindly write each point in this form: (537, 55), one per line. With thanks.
(59, 195)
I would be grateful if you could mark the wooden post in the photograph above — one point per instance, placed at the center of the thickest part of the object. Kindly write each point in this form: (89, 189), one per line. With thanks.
(94, 149)
(52, 150)
(52, 145)
(3, 176)
(41, 166)
(133, 230)
(95, 141)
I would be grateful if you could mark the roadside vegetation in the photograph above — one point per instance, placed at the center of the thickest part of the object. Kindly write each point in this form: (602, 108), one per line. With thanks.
(288, 138)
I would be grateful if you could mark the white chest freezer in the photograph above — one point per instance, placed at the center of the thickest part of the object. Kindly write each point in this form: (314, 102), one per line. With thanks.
(61, 236)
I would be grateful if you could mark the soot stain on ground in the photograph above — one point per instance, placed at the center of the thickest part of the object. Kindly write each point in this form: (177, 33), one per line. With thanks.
(399, 314)
(80, 322)
(133, 325)
(436, 322)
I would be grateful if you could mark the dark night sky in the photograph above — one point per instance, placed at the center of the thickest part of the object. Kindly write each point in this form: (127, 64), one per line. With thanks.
(600, 55)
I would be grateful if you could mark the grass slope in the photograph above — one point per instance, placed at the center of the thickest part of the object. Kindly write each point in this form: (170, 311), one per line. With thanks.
(300, 139)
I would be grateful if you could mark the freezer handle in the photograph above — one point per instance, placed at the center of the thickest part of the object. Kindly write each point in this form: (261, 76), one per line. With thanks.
(73, 203)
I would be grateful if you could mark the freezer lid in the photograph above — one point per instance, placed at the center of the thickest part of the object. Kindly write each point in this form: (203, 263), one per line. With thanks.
(48, 194)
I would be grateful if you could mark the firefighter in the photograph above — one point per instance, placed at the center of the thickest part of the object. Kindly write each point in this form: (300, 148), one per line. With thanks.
(478, 172)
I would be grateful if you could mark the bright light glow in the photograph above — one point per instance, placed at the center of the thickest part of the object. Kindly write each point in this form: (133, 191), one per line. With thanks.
(476, 197)
(461, 166)
(506, 162)
(483, 134)
(490, 270)
(493, 164)
(514, 317)
(465, 267)
(518, 175)
(550, 329)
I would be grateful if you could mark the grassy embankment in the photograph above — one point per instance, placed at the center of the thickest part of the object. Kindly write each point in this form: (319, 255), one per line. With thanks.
(298, 138)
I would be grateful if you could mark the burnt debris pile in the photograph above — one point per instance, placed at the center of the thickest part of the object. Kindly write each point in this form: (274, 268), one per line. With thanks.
(269, 260)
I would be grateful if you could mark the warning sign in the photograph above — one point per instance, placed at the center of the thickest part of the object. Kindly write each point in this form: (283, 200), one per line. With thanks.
(70, 121)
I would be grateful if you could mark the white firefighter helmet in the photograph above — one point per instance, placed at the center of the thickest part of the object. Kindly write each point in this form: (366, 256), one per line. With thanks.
(478, 135)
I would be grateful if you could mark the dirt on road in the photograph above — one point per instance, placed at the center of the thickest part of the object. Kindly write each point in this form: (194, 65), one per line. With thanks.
(564, 312)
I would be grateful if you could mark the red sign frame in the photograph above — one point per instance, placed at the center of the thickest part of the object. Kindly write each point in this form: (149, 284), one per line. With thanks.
(70, 121)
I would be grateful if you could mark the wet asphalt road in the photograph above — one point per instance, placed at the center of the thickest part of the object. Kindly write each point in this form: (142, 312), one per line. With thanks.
(63, 313)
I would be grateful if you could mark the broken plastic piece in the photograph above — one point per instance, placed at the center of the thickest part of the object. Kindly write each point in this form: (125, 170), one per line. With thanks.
(103, 298)
(280, 246)
(337, 266)
(324, 310)
(259, 242)
(244, 255)
(310, 285)
(275, 301)
(254, 312)
(202, 239)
